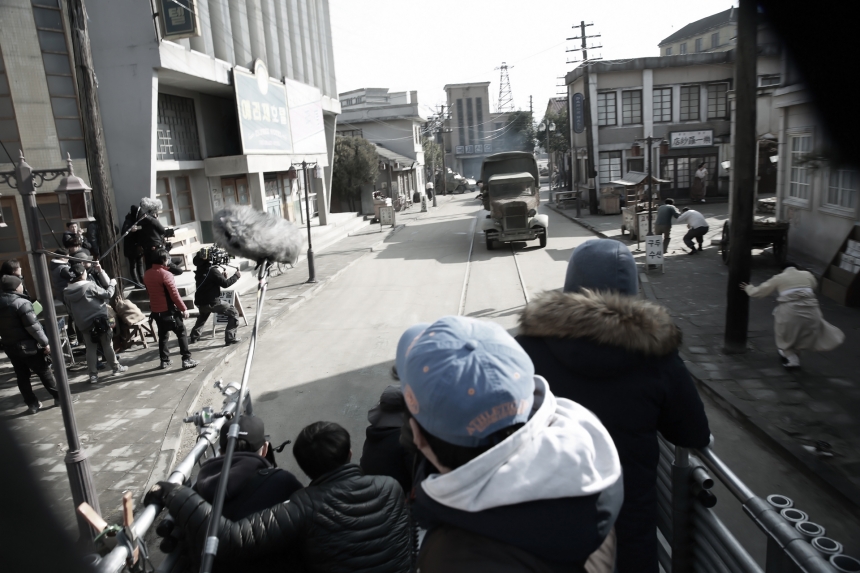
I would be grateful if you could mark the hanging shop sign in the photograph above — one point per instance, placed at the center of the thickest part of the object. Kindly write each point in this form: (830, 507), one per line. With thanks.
(179, 19)
(306, 117)
(686, 139)
(264, 120)
(578, 113)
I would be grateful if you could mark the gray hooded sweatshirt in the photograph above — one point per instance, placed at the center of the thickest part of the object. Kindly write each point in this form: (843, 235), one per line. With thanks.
(87, 301)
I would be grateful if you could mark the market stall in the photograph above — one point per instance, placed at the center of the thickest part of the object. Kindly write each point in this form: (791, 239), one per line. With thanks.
(637, 208)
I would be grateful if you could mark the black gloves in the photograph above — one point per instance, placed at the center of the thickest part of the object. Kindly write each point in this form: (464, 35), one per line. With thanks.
(159, 493)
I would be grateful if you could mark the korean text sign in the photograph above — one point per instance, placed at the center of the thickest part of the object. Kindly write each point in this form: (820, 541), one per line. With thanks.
(264, 120)
(684, 139)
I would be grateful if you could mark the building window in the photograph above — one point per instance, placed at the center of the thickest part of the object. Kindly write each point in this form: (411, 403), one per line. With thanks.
(663, 104)
(699, 44)
(842, 189)
(461, 127)
(718, 101)
(8, 126)
(184, 204)
(689, 103)
(631, 107)
(669, 51)
(479, 109)
(799, 182)
(683, 48)
(606, 109)
(58, 72)
(715, 40)
(162, 192)
(636, 165)
(768, 80)
(610, 166)
(470, 119)
(177, 129)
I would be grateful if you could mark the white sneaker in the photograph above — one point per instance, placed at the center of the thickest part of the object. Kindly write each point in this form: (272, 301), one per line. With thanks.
(94, 378)
(789, 358)
(119, 369)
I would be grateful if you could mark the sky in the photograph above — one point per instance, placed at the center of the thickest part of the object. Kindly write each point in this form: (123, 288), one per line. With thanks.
(407, 45)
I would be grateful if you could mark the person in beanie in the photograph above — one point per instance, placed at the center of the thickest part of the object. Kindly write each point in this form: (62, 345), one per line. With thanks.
(342, 521)
(383, 453)
(210, 280)
(600, 345)
(24, 342)
(515, 479)
(87, 303)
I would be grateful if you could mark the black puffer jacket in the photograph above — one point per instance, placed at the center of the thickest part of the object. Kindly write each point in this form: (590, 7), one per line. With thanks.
(343, 521)
(210, 280)
(18, 323)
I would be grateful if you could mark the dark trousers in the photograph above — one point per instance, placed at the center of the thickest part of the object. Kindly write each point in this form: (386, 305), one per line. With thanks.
(136, 269)
(177, 327)
(25, 366)
(698, 233)
(219, 308)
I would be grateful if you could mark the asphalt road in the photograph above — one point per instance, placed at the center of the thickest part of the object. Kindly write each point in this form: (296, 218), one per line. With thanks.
(330, 359)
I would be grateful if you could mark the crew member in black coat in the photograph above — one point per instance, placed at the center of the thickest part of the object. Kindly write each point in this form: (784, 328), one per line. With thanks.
(599, 344)
(207, 298)
(343, 521)
(384, 454)
(130, 246)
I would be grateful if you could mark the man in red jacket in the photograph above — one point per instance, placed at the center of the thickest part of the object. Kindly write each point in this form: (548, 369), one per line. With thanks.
(167, 308)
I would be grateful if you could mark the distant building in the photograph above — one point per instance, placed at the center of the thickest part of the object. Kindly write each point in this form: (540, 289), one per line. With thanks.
(471, 131)
(715, 33)
(393, 122)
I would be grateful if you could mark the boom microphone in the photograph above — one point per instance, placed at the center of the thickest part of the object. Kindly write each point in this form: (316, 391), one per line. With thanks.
(251, 234)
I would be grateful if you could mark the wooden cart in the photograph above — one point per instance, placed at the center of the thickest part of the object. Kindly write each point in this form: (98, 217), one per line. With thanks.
(765, 234)
(635, 213)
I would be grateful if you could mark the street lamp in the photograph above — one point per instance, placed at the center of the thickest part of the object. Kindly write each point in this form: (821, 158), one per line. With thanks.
(548, 127)
(74, 192)
(312, 275)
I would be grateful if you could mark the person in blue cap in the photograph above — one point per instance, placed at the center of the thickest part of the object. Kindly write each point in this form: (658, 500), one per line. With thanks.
(514, 479)
(600, 345)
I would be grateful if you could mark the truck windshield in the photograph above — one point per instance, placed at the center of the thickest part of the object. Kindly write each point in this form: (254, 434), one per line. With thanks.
(511, 190)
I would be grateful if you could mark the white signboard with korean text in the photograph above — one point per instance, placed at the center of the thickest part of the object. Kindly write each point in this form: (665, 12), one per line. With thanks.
(654, 250)
(306, 117)
(264, 121)
(686, 139)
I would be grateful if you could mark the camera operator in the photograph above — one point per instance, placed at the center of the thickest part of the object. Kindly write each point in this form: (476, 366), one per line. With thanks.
(74, 240)
(168, 310)
(152, 234)
(210, 280)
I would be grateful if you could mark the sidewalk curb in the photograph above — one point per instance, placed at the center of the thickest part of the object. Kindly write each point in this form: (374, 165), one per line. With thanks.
(794, 454)
(579, 222)
(176, 427)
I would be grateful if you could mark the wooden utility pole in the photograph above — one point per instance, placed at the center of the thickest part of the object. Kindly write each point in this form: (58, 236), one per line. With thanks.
(94, 139)
(589, 136)
(741, 221)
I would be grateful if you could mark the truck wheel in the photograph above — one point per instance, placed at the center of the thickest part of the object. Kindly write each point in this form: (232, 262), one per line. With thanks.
(491, 243)
(542, 240)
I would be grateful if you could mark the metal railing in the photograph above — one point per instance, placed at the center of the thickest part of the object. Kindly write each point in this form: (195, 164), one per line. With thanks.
(693, 538)
(209, 432)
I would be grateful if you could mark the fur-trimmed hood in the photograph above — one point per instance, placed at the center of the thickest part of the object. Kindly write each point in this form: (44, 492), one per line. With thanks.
(610, 319)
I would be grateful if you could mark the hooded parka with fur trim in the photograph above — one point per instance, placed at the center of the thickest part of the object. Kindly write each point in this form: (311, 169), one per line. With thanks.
(617, 356)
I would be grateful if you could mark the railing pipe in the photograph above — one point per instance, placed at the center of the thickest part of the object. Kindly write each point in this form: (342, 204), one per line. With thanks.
(682, 551)
(710, 555)
(716, 527)
(727, 476)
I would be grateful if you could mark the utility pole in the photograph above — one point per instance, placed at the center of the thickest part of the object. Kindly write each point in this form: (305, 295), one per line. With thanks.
(444, 169)
(531, 110)
(741, 221)
(94, 139)
(589, 136)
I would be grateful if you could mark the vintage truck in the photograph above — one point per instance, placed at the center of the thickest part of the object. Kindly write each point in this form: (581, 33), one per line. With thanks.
(511, 194)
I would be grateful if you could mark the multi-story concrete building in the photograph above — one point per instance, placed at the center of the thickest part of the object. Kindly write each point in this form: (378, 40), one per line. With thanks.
(217, 118)
(39, 115)
(393, 122)
(715, 33)
(471, 131)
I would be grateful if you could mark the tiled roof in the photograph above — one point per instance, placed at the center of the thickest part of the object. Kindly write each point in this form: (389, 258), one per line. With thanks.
(703, 25)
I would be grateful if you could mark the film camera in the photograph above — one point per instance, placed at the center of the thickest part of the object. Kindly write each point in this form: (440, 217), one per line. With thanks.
(214, 255)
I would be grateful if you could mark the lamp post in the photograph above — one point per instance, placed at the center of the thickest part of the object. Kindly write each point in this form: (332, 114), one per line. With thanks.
(548, 127)
(77, 194)
(312, 275)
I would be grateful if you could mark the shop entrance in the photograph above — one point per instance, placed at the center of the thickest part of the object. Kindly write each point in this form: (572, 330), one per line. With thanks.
(681, 171)
(235, 191)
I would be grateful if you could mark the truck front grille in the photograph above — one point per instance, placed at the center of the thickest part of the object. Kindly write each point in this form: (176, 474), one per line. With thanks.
(516, 216)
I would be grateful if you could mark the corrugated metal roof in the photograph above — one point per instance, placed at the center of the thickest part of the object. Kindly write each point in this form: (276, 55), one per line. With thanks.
(703, 25)
(635, 178)
(405, 162)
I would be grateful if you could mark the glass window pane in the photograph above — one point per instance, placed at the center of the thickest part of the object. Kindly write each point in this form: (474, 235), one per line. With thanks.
(4, 85)
(52, 3)
(12, 146)
(60, 85)
(52, 41)
(57, 64)
(69, 129)
(74, 147)
(6, 109)
(8, 131)
(48, 18)
(65, 106)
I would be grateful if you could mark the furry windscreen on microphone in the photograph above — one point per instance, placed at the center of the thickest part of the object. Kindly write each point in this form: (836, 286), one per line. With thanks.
(246, 232)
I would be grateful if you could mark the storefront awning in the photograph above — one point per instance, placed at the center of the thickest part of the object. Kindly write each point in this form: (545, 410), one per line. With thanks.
(400, 162)
(635, 178)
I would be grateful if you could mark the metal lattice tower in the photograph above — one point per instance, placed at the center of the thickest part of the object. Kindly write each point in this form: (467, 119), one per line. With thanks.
(506, 98)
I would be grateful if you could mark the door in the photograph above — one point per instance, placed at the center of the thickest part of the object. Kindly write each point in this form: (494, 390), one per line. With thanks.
(681, 171)
(12, 244)
(273, 196)
(235, 191)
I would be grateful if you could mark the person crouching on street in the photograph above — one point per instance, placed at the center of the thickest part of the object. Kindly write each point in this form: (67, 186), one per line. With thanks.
(698, 228)
(207, 298)
(518, 480)
(87, 303)
(797, 320)
(25, 342)
(168, 309)
(343, 521)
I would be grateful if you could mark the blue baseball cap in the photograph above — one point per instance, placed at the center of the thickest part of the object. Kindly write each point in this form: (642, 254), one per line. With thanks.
(464, 379)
